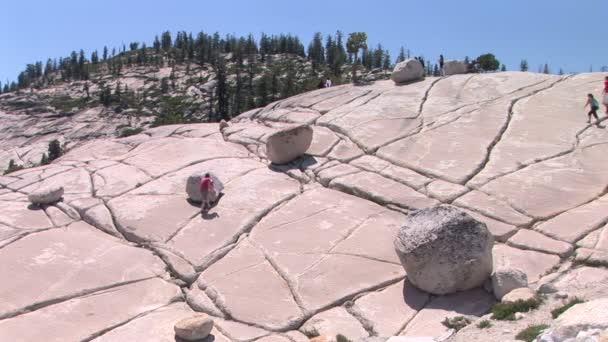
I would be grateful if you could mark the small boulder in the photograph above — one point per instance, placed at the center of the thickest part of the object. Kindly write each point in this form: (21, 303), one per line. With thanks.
(193, 186)
(194, 328)
(454, 68)
(46, 195)
(444, 250)
(288, 144)
(523, 293)
(407, 71)
(506, 279)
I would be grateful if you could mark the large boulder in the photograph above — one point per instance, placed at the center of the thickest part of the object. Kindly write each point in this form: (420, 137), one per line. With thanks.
(193, 186)
(194, 328)
(454, 68)
(46, 195)
(444, 250)
(588, 319)
(288, 144)
(507, 279)
(407, 71)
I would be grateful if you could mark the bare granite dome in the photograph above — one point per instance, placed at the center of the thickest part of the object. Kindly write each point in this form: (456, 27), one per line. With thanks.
(307, 245)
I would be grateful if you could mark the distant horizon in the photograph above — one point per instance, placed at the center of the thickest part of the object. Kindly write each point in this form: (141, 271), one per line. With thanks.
(564, 36)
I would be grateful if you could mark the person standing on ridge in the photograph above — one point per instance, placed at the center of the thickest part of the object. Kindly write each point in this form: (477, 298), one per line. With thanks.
(592, 102)
(605, 93)
(441, 61)
(206, 187)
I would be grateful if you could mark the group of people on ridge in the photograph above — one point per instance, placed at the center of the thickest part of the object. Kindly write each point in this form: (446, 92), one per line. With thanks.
(594, 104)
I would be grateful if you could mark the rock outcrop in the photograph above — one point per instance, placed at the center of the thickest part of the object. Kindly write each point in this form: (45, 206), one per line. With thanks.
(587, 319)
(288, 144)
(444, 250)
(408, 71)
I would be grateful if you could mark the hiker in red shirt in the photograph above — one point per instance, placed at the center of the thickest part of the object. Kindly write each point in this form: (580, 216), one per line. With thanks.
(206, 188)
(605, 93)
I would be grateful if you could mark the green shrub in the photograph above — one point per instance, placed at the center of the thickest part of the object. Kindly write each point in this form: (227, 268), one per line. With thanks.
(506, 311)
(311, 333)
(456, 323)
(342, 338)
(556, 312)
(129, 131)
(484, 324)
(531, 332)
(12, 167)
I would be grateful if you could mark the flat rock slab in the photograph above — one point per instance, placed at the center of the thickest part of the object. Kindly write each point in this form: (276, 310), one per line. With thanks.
(529, 239)
(428, 321)
(155, 326)
(68, 263)
(244, 271)
(18, 215)
(392, 308)
(572, 225)
(333, 322)
(534, 264)
(84, 317)
(246, 200)
(382, 190)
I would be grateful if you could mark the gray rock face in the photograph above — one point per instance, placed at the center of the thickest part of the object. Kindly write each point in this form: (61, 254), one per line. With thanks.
(46, 195)
(288, 144)
(506, 279)
(194, 328)
(407, 71)
(444, 250)
(454, 68)
(193, 186)
(582, 320)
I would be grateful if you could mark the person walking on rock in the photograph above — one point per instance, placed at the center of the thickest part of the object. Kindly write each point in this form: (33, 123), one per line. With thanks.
(605, 93)
(592, 102)
(328, 83)
(206, 188)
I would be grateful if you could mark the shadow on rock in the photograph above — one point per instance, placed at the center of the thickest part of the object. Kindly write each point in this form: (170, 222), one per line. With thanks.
(209, 338)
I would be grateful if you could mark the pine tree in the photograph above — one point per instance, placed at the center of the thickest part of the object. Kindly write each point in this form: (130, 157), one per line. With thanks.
(401, 56)
(105, 53)
(221, 89)
(561, 71)
(156, 44)
(503, 68)
(54, 150)
(523, 65)
(546, 69)
(356, 41)
(316, 52)
(166, 41)
(386, 64)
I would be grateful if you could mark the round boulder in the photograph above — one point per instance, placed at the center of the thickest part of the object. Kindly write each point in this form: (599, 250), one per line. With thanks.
(288, 144)
(444, 250)
(193, 186)
(506, 279)
(46, 195)
(194, 328)
(407, 71)
(455, 68)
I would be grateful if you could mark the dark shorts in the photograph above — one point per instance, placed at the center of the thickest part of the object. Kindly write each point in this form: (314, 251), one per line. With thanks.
(205, 195)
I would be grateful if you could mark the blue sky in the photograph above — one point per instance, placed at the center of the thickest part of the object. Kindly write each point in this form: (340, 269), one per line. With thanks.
(568, 34)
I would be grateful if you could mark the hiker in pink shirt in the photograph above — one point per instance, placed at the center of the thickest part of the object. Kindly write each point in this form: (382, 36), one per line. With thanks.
(206, 188)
